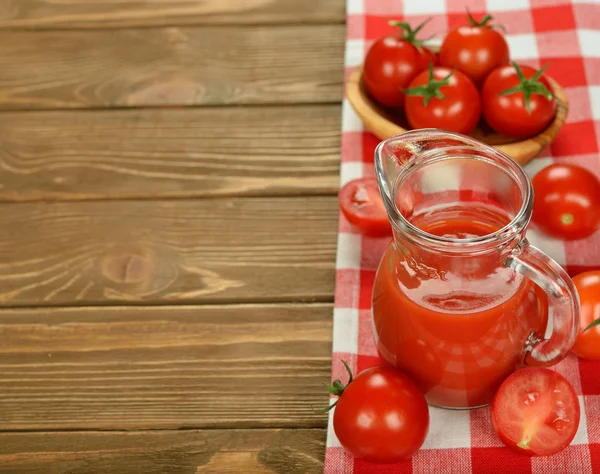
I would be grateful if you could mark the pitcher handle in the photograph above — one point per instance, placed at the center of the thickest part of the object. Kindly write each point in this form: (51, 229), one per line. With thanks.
(532, 263)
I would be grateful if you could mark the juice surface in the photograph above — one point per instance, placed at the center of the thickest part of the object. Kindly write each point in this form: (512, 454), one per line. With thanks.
(457, 325)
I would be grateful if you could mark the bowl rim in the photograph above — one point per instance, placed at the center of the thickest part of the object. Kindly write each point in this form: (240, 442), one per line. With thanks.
(521, 150)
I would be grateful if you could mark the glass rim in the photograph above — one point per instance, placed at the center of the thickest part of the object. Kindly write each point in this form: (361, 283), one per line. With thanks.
(470, 149)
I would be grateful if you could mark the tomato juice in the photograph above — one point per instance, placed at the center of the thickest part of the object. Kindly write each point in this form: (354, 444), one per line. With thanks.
(456, 323)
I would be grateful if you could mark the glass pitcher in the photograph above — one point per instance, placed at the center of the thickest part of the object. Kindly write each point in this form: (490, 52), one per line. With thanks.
(461, 299)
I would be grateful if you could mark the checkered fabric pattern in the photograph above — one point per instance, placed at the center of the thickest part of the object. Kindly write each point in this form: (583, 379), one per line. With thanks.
(566, 34)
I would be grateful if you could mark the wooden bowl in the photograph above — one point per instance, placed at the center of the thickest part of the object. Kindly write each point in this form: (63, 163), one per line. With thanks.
(386, 123)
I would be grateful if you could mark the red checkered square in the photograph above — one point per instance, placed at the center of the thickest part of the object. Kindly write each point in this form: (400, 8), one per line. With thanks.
(363, 467)
(504, 461)
(547, 3)
(482, 432)
(568, 72)
(390, 8)
(338, 461)
(555, 18)
(347, 288)
(590, 380)
(369, 143)
(592, 405)
(516, 23)
(569, 369)
(557, 44)
(575, 139)
(355, 27)
(580, 109)
(352, 146)
(595, 455)
(338, 371)
(365, 334)
(572, 459)
(366, 288)
(592, 70)
(373, 250)
(461, 6)
(587, 15)
(442, 460)
(364, 362)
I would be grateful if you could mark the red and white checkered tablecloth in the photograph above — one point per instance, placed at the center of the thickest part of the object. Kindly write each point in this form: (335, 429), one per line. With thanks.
(566, 34)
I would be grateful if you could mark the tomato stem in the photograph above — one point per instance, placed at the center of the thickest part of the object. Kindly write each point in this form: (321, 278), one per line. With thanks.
(529, 86)
(567, 219)
(337, 388)
(484, 22)
(595, 323)
(408, 34)
(432, 88)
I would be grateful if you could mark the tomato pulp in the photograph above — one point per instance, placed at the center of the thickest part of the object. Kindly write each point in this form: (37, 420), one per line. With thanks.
(456, 325)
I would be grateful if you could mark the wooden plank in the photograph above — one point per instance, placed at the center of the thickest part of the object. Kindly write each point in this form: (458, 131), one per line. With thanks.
(158, 452)
(117, 13)
(142, 153)
(171, 66)
(215, 250)
(164, 367)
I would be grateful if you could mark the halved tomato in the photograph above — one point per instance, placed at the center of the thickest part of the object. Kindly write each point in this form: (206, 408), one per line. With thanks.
(536, 412)
(362, 205)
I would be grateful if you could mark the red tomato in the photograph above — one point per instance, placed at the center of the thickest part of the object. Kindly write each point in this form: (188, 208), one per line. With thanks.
(442, 98)
(567, 201)
(391, 63)
(536, 412)
(587, 345)
(362, 205)
(475, 49)
(517, 101)
(381, 416)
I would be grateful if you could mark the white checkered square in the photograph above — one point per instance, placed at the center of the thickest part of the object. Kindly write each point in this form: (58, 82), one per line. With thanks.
(424, 7)
(332, 440)
(554, 248)
(595, 101)
(588, 42)
(354, 7)
(507, 5)
(355, 52)
(522, 46)
(448, 429)
(348, 251)
(345, 323)
(350, 170)
(350, 121)
(581, 437)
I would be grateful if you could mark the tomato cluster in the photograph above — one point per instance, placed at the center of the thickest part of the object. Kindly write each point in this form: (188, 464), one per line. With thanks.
(469, 78)
(381, 416)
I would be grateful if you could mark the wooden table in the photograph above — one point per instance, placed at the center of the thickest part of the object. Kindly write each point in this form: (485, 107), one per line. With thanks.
(168, 171)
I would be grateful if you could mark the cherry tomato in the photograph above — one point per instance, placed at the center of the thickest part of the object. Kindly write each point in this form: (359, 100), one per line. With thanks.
(391, 63)
(380, 416)
(442, 98)
(567, 201)
(536, 412)
(587, 345)
(362, 205)
(517, 101)
(475, 49)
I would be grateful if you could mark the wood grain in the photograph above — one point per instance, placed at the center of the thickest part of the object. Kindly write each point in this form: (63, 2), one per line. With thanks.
(212, 250)
(164, 367)
(142, 153)
(117, 13)
(171, 66)
(158, 452)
